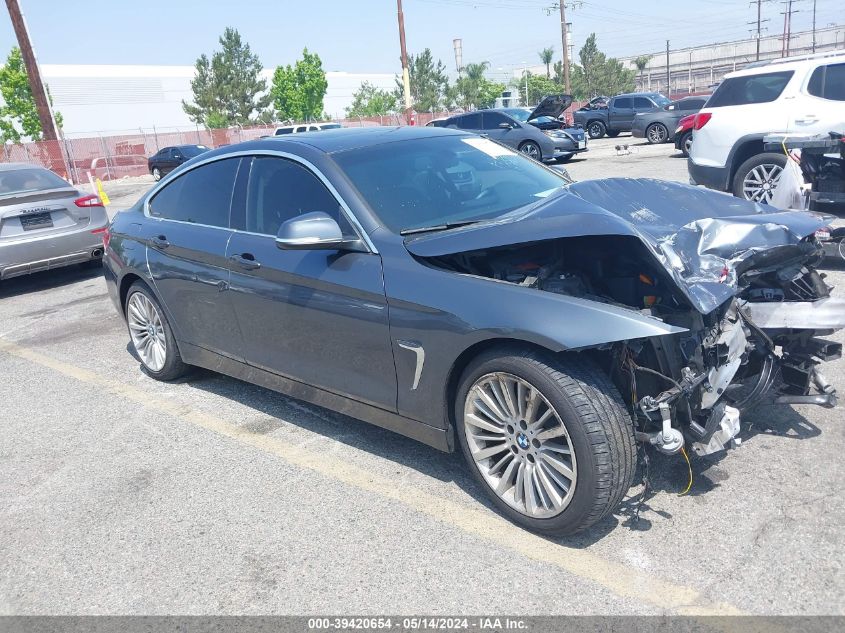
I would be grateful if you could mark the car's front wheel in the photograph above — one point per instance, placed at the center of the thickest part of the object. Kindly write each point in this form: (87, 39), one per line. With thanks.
(151, 334)
(547, 437)
(757, 178)
(656, 133)
(596, 129)
(532, 150)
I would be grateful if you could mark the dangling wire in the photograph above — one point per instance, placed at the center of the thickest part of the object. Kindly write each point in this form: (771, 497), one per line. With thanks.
(689, 467)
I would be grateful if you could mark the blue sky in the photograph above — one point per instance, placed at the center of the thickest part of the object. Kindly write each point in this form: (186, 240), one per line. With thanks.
(362, 36)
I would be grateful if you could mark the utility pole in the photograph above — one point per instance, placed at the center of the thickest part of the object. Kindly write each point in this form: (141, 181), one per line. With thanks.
(787, 27)
(565, 47)
(668, 76)
(406, 76)
(814, 26)
(758, 33)
(42, 105)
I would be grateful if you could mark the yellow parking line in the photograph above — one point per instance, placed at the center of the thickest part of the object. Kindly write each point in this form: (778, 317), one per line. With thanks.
(620, 579)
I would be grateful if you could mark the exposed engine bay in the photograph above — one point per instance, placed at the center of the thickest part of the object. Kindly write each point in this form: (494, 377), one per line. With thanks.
(753, 309)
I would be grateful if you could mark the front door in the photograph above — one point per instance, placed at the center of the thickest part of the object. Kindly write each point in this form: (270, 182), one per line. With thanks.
(320, 316)
(186, 253)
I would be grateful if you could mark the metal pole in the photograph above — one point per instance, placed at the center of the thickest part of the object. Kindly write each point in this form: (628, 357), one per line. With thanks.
(565, 48)
(668, 75)
(759, 2)
(42, 104)
(406, 75)
(690, 72)
(155, 136)
(814, 26)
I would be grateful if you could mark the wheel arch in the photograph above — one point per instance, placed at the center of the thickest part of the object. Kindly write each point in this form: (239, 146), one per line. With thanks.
(746, 147)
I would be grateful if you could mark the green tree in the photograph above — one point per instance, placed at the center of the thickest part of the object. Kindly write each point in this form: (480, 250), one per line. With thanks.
(429, 82)
(473, 89)
(599, 75)
(538, 87)
(227, 88)
(371, 101)
(641, 62)
(298, 91)
(546, 55)
(18, 114)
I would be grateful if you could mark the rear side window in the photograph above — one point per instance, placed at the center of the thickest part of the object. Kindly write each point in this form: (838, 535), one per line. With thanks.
(279, 189)
(750, 89)
(202, 195)
(470, 121)
(623, 102)
(828, 82)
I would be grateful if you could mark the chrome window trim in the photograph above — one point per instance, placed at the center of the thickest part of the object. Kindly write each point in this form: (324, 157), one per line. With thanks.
(350, 216)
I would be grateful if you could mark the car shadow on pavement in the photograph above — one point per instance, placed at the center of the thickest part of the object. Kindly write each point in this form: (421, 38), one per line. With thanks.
(279, 410)
(48, 279)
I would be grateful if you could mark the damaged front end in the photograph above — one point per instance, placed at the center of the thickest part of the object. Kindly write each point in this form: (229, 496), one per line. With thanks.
(736, 279)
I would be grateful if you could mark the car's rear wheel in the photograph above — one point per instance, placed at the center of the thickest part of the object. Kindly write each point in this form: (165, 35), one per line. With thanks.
(596, 129)
(656, 133)
(532, 150)
(686, 143)
(757, 178)
(156, 173)
(548, 438)
(151, 334)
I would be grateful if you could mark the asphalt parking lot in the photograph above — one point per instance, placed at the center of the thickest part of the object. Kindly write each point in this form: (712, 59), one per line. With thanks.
(123, 495)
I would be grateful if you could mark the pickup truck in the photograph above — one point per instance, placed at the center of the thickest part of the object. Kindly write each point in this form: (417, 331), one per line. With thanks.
(619, 114)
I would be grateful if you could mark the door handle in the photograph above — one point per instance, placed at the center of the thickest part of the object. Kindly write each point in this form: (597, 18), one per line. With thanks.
(160, 241)
(809, 118)
(246, 261)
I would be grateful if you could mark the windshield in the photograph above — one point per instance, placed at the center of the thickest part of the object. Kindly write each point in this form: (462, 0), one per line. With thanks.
(193, 150)
(518, 113)
(660, 100)
(26, 180)
(445, 179)
(329, 126)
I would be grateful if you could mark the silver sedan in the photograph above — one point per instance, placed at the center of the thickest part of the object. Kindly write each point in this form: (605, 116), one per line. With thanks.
(45, 222)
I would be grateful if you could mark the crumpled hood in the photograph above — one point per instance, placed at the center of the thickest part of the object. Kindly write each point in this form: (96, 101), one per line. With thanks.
(699, 236)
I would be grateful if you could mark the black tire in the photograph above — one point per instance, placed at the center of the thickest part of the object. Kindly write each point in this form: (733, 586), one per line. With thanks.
(174, 367)
(760, 160)
(532, 150)
(685, 143)
(599, 428)
(613, 133)
(656, 133)
(156, 172)
(596, 129)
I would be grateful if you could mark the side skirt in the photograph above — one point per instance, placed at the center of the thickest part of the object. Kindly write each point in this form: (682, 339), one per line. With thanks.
(441, 439)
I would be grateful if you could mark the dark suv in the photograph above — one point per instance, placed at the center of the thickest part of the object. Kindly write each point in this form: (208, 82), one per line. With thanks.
(167, 159)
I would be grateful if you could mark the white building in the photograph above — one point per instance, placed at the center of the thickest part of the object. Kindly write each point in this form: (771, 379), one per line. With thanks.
(106, 99)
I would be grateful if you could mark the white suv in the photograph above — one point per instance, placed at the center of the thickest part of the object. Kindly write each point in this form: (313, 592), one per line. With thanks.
(305, 127)
(798, 95)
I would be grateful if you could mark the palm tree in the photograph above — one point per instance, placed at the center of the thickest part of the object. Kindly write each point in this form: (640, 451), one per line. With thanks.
(641, 62)
(475, 71)
(547, 54)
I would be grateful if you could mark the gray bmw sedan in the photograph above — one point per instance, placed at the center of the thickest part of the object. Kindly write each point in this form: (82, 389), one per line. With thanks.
(443, 286)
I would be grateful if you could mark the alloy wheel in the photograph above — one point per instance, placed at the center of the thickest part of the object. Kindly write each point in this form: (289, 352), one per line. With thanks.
(532, 150)
(759, 183)
(146, 331)
(156, 173)
(520, 445)
(656, 133)
(595, 130)
(688, 144)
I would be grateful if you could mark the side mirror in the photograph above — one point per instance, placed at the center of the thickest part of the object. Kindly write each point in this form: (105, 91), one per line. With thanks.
(177, 156)
(315, 231)
(504, 125)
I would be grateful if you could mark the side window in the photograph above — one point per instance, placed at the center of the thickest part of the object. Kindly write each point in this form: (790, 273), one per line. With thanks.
(284, 130)
(279, 189)
(470, 121)
(301, 128)
(623, 103)
(202, 195)
(747, 89)
(828, 82)
(492, 120)
(641, 103)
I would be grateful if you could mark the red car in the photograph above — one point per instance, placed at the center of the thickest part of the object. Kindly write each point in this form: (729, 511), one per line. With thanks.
(683, 134)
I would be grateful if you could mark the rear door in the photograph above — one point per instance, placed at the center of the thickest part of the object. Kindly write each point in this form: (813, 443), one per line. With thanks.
(186, 252)
(821, 106)
(621, 113)
(316, 316)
